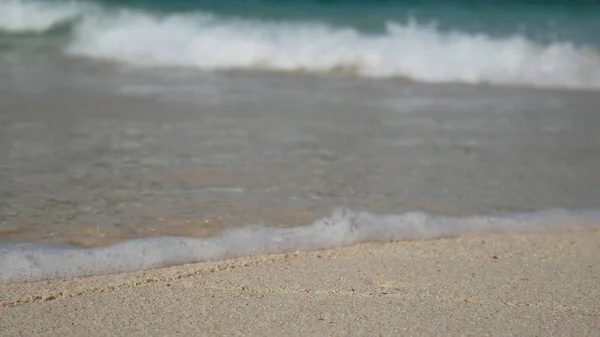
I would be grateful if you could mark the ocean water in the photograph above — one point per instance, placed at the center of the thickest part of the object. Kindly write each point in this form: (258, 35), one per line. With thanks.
(542, 44)
(143, 133)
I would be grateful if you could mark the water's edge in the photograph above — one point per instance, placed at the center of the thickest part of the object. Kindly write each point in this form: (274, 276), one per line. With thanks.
(31, 261)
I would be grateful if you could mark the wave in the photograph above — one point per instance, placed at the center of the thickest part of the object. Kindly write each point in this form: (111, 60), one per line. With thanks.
(404, 50)
(30, 261)
(18, 16)
(413, 51)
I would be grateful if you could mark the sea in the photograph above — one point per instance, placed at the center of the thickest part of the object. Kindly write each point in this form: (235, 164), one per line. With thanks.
(145, 133)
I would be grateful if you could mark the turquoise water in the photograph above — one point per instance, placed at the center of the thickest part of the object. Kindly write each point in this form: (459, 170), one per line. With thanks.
(547, 21)
(544, 21)
(539, 44)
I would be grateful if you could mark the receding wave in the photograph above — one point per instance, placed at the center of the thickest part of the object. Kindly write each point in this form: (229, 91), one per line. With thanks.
(404, 50)
(30, 261)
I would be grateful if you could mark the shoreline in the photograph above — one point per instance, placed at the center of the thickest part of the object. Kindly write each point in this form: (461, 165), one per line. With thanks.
(511, 283)
(32, 261)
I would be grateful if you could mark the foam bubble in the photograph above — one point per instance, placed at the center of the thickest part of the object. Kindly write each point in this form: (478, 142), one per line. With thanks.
(30, 261)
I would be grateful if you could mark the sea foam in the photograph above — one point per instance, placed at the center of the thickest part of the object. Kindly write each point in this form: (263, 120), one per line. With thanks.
(410, 50)
(18, 16)
(405, 49)
(26, 261)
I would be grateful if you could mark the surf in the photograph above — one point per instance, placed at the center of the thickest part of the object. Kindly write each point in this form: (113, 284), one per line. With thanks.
(30, 261)
(406, 49)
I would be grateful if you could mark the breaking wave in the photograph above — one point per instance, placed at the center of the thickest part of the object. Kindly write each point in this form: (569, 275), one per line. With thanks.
(414, 51)
(204, 41)
(17, 16)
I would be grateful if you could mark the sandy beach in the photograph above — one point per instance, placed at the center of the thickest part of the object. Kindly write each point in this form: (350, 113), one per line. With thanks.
(504, 284)
(442, 155)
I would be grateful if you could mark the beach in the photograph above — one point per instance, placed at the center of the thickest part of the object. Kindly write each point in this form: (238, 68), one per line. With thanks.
(544, 283)
(303, 167)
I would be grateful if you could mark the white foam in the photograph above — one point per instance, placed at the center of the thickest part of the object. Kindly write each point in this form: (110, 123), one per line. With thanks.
(405, 50)
(19, 16)
(31, 261)
(414, 51)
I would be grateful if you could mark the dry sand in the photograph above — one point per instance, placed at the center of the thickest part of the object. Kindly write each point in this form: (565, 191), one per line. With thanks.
(520, 283)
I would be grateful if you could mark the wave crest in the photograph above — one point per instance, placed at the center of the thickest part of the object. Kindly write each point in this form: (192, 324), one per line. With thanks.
(404, 50)
(17, 16)
(414, 51)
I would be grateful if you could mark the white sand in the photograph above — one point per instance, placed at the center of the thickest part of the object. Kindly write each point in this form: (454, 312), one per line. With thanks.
(522, 284)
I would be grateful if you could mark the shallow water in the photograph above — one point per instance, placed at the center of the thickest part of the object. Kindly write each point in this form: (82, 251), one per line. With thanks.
(96, 155)
(126, 120)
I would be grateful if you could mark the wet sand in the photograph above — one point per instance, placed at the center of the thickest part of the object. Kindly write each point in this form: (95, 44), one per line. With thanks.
(510, 284)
